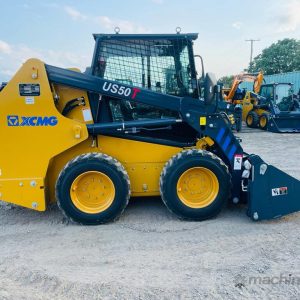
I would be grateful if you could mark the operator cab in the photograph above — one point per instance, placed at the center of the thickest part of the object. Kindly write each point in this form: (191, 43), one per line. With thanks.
(161, 63)
(158, 62)
(281, 96)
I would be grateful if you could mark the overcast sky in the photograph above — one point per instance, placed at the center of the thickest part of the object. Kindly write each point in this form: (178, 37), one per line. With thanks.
(60, 32)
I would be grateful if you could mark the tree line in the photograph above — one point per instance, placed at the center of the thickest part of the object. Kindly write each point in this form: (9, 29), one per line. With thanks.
(281, 57)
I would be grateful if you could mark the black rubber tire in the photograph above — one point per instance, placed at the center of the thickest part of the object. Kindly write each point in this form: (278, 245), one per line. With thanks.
(175, 168)
(255, 119)
(264, 115)
(93, 162)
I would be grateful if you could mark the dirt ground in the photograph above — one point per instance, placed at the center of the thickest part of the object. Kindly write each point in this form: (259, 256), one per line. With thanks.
(149, 254)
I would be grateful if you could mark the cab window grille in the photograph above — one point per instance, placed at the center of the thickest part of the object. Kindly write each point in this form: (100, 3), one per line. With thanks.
(159, 65)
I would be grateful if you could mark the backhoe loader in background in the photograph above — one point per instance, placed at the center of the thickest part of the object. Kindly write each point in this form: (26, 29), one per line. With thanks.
(138, 123)
(273, 107)
(276, 109)
(238, 101)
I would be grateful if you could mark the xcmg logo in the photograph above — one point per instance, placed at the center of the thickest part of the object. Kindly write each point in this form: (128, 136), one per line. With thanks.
(31, 121)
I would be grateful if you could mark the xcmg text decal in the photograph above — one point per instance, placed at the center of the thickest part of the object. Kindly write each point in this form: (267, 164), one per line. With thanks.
(120, 89)
(14, 120)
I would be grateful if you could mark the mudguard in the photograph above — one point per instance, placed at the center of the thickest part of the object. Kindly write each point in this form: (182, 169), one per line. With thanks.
(271, 193)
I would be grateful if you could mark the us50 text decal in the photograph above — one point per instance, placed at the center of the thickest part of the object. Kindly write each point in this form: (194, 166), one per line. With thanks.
(120, 90)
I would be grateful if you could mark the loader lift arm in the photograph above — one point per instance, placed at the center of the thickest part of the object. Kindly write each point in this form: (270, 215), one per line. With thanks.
(257, 80)
(190, 110)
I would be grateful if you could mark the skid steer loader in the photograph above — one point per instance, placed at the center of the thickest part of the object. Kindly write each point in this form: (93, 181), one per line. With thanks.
(273, 107)
(276, 109)
(138, 122)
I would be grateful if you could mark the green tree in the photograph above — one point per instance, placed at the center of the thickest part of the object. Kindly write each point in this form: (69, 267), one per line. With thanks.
(226, 80)
(280, 57)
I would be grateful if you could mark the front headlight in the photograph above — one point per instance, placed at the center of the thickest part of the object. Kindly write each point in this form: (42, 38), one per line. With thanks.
(247, 165)
(246, 174)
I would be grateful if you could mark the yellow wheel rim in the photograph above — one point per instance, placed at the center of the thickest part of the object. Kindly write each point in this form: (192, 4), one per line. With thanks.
(263, 121)
(250, 119)
(197, 187)
(92, 192)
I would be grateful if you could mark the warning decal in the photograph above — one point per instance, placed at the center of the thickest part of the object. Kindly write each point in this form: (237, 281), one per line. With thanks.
(280, 191)
(238, 159)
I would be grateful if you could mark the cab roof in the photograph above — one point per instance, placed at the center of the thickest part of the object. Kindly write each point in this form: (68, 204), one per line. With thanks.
(175, 36)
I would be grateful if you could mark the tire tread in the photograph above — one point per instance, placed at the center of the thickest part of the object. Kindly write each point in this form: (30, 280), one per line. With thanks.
(173, 161)
(91, 156)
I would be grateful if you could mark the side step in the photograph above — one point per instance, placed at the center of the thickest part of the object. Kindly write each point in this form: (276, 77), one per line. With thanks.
(271, 193)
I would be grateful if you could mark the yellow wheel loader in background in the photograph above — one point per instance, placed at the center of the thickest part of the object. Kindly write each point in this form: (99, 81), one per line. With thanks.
(273, 107)
(138, 122)
(276, 109)
(243, 99)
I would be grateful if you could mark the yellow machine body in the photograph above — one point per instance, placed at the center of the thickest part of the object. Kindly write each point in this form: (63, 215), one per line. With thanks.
(32, 156)
(142, 161)
(248, 102)
(26, 149)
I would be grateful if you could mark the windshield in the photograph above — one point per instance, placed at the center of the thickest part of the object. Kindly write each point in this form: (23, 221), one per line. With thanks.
(159, 65)
(284, 97)
(267, 92)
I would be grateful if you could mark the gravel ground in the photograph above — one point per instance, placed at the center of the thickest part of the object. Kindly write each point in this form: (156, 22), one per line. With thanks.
(149, 254)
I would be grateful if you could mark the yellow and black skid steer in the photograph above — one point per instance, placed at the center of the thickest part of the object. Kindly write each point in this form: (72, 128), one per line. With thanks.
(276, 109)
(138, 122)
